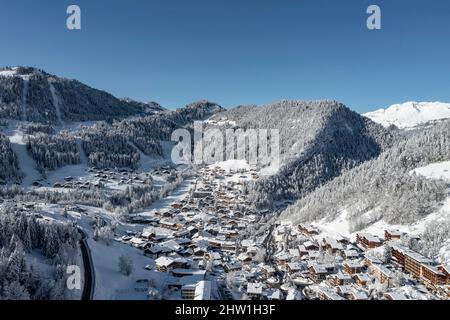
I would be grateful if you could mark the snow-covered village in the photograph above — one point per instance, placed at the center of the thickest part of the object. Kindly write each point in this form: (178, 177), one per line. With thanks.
(206, 159)
(204, 241)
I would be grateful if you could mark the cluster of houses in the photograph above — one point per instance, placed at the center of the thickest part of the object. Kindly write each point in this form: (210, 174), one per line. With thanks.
(100, 177)
(336, 268)
(203, 244)
(200, 239)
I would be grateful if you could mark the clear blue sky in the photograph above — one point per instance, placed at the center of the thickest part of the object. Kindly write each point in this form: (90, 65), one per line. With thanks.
(238, 52)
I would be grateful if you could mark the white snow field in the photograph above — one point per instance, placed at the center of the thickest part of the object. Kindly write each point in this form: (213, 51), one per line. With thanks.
(26, 164)
(410, 114)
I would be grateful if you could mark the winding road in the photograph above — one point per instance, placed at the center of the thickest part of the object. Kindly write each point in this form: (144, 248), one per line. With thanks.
(89, 274)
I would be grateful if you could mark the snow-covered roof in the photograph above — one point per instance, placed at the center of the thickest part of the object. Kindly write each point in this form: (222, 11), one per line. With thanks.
(331, 294)
(273, 294)
(254, 288)
(412, 254)
(396, 296)
(164, 261)
(347, 289)
(353, 264)
(203, 290)
(359, 295)
(370, 237)
(351, 253)
(294, 266)
(171, 244)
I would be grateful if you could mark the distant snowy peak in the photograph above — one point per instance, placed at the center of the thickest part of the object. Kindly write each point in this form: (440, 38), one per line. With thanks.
(410, 114)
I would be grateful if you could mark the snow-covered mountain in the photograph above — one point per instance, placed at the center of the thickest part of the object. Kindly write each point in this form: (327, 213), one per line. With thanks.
(410, 114)
(318, 140)
(30, 94)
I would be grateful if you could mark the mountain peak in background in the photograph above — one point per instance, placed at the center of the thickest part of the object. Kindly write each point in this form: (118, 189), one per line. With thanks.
(410, 114)
(31, 94)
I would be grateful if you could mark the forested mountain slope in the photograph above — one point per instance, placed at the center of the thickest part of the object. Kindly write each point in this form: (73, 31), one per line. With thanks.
(9, 167)
(106, 145)
(318, 141)
(33, 95)
(384, 186)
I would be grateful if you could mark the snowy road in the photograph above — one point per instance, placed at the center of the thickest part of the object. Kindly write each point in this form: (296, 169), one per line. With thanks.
(89, 274)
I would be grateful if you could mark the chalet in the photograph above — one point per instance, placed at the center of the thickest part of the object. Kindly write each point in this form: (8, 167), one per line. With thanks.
(273, 294)
(154, 251)
(318, 272)
(187, 253)
(200, 194)
(147, 235)
(171, 246)
(309, 245)
(370, 260)
(169, 225)
(332, 245)
(247, 243)
(137, 242)
(392, 235)
(143, 220)
(293, 267)
(159, 237)
(329, 294)
(313, 255)
(308, 229)
(164, 264)
(232, 266)
(350, 254)
(361, 279)
(358, 295)
(368, 241)
(294, 253)
(383, 274)
(395, 296)
(244, 258)
(200, 252)
(352, 267)
(252, 251)
(221, 244)
(179, 273)
(446, 271)
(282, 259)
(254, 290)
(182, 233)
(267, 270)
(340, 279)
(344, 291)
(343, 240)
(177, 205)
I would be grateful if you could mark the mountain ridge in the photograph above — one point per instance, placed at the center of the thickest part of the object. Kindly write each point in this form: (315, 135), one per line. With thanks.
(318, 140)
(31, 94)
(410, 114)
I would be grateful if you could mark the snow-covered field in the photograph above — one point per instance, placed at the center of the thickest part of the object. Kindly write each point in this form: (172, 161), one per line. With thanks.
(439, 170)
(110, 284)
(26, 163)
